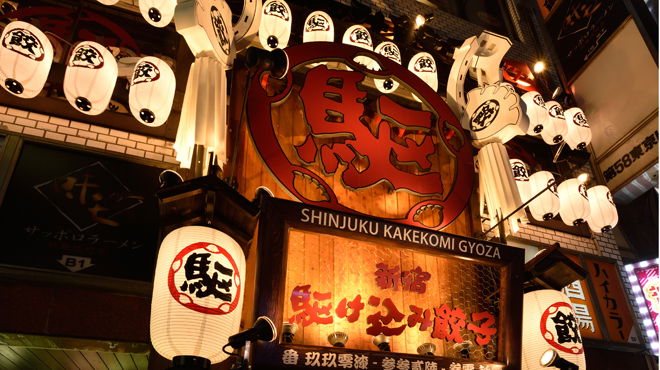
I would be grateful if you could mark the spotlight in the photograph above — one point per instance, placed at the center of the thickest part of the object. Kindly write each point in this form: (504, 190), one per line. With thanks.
(539, 67)
(289, 330)
(583, 178)
(463, 348)
(168, 178)
(427, 349)
(382, 342)
(275, 61)
(419, 20)
(338, 339)
(550, 358)
(263, 329)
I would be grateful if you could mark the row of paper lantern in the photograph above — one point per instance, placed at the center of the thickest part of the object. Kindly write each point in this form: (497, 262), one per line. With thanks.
(570, 199)
(26, 56)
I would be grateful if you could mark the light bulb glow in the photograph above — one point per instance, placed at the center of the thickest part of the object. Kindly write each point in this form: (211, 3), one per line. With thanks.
(583, 177)
(539, 67)
(419, 20)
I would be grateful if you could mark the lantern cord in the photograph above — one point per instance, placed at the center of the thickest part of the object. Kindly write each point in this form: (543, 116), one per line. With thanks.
(516, 210)
(229, 353)
(561, 147)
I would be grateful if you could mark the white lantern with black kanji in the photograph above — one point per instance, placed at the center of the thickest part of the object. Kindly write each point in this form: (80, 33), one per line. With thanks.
(152, 91)
(275, 27)
(603, 215)
(390, 51)
(198, 293)
(358, 35)
(318, 27)
(25, 59)
(158, 13)
(423, 66)
(555, 128)
(546, 206)
(521, 177)
(90, 77)
(550, 323)
(535, 111)
(578, 134)
(573, 202)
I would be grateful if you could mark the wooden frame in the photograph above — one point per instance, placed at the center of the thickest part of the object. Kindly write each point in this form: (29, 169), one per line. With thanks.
(279, 216)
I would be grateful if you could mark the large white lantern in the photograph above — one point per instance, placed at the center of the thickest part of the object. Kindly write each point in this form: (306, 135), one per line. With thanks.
(25, 59)
(535, 111)
(389, 50)
(555, 129)
(318, 27)
(275, 27)
(578, 134)
(546, 206)
(550, 323)
(90, 77)
(423, 66)
(198, 293)
(493, 114)
(603, 215)
(152, 91)
(521, 177)
(158, 13)
(573, 202)
(206, 27)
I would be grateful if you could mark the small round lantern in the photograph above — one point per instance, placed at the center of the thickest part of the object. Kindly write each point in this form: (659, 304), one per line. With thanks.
(423, 66)
(275, 27)
(573, 202)
(198, 293)
(549, 322)
(603, 215)
(25, 59)
(318, 27)
(535, 111)
(578, 134)
(90, 77)
(546, 206)
(152, 91)
(390, 51)
(158, 13)
(555, 128)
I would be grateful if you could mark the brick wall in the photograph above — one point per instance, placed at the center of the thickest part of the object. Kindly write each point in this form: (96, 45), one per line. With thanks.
(84, 134)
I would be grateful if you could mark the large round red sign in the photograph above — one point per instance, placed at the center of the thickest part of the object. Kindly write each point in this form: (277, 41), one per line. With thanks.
(344, 145)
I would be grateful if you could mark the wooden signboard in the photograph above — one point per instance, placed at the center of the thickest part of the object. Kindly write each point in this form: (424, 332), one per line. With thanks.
(329, 271)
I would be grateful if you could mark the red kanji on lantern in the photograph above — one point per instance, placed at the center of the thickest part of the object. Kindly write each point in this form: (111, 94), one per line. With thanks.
(311, 313)
(484, 331)
(355, 305)
(425, 319)
(448, 323)
(377, 320)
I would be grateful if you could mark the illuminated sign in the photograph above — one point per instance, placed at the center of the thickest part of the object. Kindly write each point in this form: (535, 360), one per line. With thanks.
(332, 139)
(645, 282)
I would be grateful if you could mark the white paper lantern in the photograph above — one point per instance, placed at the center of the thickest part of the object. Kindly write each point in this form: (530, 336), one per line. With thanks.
(275, 27)
(521, 177)
(493, 114)
(545, 206)
(555, 129)
(198, 293)
(158, 13)
(423, 66)
(318, 27)
(25, 59)
(152, 91)
(573, 202)
(108, 2)
(549, 322)
(90, 77)
(535, 111)
(358, 35)
(603, 215)
(578, 134)
(390, 51)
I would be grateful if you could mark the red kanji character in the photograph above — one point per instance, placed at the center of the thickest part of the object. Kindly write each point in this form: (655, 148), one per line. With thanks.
(377, 320)
(413, 280)
(355, 305)
(300, 298)
(335, 113)
(485, 330)
(447, 323)
(417, 318)
(387, 277)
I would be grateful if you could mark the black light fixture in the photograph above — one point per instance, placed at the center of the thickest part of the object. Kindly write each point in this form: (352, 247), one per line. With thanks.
(289, 330)
(338, 339)
(275, 61)
(263, 329)
(550, 358)
(169, 178)
(382, 342)
(426, 349)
